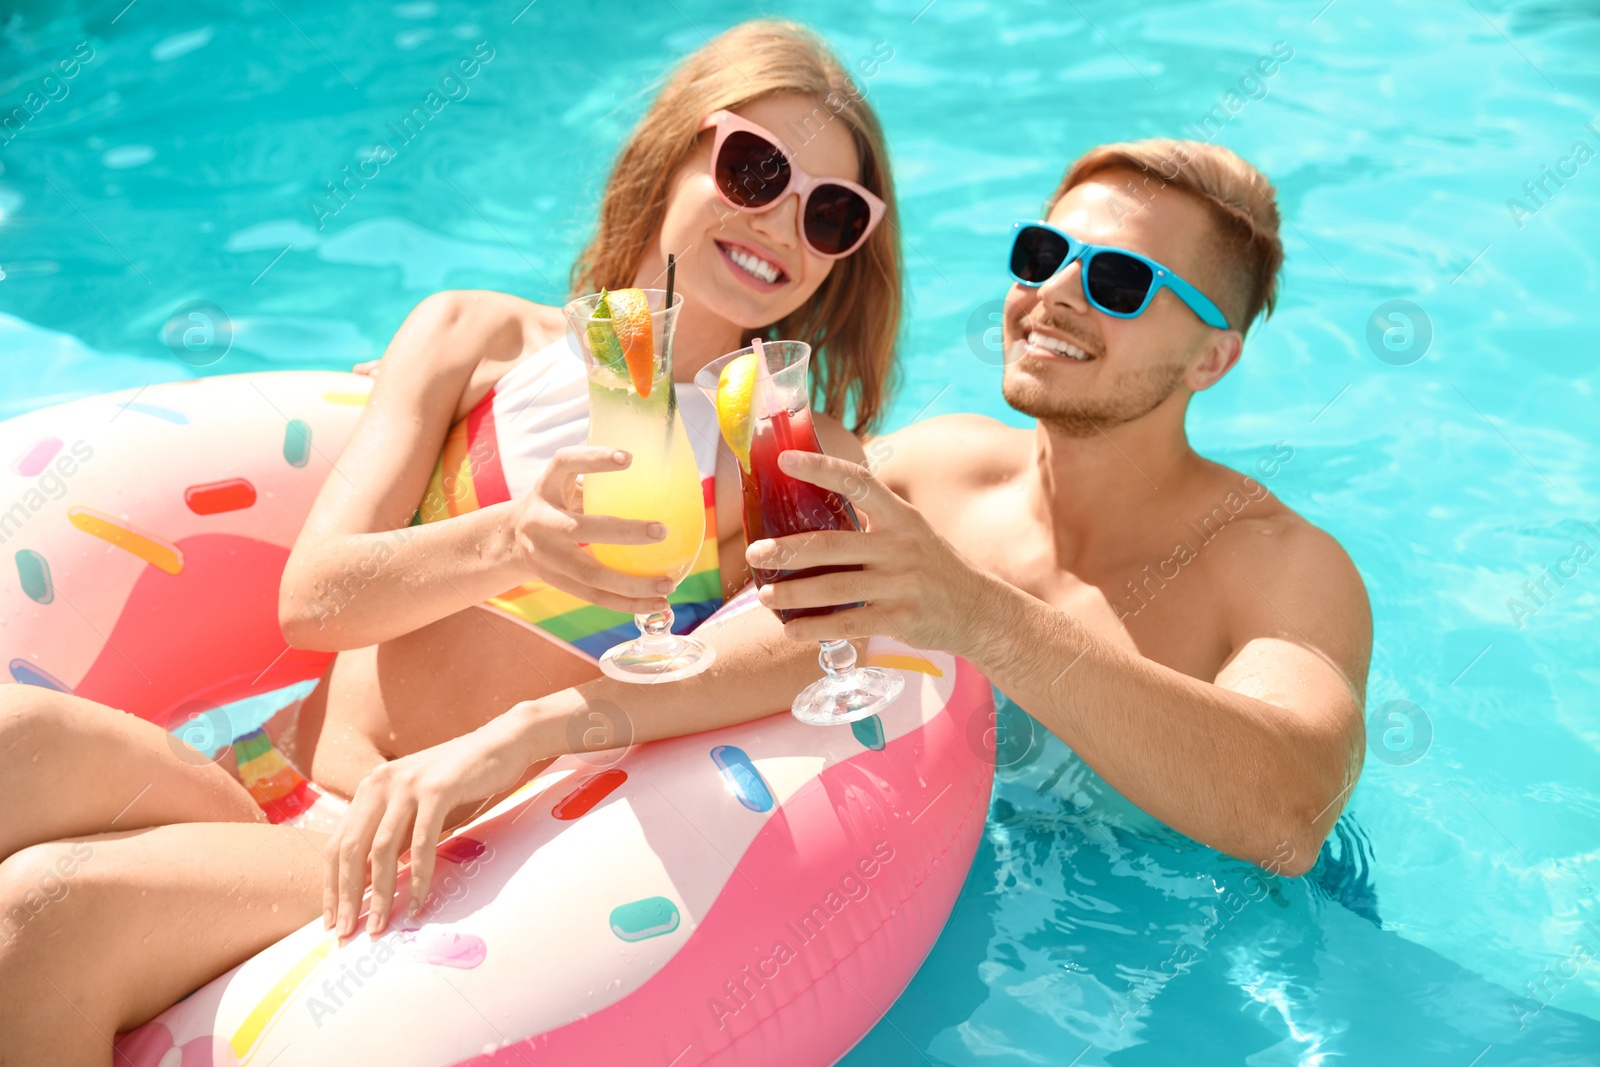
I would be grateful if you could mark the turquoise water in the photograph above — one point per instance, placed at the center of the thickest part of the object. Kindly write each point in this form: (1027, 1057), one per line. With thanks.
(1452, 921)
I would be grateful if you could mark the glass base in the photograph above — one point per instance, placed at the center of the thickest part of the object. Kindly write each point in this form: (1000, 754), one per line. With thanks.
(664, 658)
(846, 698)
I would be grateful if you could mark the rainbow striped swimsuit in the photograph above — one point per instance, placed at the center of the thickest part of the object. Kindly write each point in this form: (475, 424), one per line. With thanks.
(279, 789)
(497, 452)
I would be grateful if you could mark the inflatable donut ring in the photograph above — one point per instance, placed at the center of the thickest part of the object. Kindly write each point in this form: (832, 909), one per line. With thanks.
(759, 894)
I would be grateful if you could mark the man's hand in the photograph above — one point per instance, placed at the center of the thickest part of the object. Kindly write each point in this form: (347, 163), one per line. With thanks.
(918, 589)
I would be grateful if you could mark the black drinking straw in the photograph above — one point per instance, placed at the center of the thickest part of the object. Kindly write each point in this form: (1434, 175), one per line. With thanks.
(672, 390)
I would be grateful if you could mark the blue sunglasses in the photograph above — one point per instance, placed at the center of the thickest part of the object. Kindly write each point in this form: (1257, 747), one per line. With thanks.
(1116, 281)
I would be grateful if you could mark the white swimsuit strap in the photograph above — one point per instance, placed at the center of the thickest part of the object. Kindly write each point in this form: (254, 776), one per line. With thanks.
(542, 404)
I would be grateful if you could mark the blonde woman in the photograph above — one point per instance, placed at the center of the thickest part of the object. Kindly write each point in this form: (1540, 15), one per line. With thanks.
(479, 413)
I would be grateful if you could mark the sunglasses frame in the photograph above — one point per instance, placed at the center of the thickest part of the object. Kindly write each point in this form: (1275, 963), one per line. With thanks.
(800, 182)
(1161, 277)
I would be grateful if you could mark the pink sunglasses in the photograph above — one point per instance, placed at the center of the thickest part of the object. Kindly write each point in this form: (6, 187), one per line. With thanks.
(753, 172)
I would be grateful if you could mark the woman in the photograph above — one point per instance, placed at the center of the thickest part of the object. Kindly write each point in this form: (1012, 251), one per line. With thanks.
(155, 836)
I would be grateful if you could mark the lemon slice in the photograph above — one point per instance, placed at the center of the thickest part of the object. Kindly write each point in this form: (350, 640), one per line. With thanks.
(736, 390)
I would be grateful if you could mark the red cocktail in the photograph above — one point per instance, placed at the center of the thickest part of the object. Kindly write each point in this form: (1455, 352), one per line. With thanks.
(764, 409)
(776, 505)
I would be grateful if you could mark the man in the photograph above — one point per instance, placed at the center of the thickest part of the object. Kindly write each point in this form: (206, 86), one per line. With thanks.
(1196, 642)
(1200, 645)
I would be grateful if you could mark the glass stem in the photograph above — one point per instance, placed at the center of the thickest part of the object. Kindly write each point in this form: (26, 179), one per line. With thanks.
(838, 659)
(655, 628)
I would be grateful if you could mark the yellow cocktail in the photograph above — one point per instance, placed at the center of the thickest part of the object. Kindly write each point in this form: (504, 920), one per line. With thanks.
(661, 484)
(625, 339)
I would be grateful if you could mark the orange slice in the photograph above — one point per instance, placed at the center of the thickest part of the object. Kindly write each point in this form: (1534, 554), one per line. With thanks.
(630, 317)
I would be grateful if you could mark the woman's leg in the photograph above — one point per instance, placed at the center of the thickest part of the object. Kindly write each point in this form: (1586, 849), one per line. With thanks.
(99, 934)
(73, 767)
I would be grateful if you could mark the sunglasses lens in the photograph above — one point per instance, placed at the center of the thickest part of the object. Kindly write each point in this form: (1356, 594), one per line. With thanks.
(750, 170)
(1118, 283)
(1037, 254)
(836, 219)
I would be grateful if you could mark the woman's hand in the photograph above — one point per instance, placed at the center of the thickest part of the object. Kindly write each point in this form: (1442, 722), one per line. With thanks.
(549, 530)
(402, 805)
(368, 367)
(917, 588)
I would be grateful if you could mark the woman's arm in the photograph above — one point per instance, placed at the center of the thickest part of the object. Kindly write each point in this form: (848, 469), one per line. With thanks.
(405, 804)
(359, 575)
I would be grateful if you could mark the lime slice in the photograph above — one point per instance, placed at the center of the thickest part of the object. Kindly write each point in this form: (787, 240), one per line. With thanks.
(603, 340)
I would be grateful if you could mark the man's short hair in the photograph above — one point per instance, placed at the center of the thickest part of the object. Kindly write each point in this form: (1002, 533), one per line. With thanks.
(1242, 203)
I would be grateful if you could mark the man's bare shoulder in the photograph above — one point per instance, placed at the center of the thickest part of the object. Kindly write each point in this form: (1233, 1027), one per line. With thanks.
(948, 451)
(1285, 574)
(1282, 537)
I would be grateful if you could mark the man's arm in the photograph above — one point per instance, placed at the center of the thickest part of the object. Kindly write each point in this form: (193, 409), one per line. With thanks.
(1256, 762)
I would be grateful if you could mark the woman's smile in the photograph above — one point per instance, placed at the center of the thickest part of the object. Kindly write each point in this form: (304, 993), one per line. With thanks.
(755, 267)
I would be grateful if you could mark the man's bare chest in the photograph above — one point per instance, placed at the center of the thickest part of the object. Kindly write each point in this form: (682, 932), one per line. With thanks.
(1159, 600)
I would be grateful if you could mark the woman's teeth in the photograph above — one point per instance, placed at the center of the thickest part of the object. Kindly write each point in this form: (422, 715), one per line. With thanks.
(1059, 347)
(753, 264)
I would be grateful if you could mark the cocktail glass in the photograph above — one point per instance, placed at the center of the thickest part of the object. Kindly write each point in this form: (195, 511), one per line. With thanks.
(661, 484)
(776, 505)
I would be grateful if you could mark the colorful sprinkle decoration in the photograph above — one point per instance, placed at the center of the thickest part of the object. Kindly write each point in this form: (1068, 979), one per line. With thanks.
(233, 494)
(38, 457)
(154, 550)
(176, 417)
(744, 781)
(590, 791)
(460, 849)
(34, 574)
(642, 919)
(297, 442)
(25, 673)
(869, 732)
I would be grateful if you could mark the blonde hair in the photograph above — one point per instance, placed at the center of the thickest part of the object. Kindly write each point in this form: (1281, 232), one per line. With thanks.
(852, 319)
(1242, 203)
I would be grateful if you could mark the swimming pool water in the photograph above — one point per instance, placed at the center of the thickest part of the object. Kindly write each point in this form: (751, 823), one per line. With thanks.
(1452, 920)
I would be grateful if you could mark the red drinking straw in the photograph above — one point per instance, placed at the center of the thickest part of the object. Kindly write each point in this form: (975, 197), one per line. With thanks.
(764, 404)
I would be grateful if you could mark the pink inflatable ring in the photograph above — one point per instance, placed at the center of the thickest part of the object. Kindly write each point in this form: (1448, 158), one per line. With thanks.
(756, 895)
